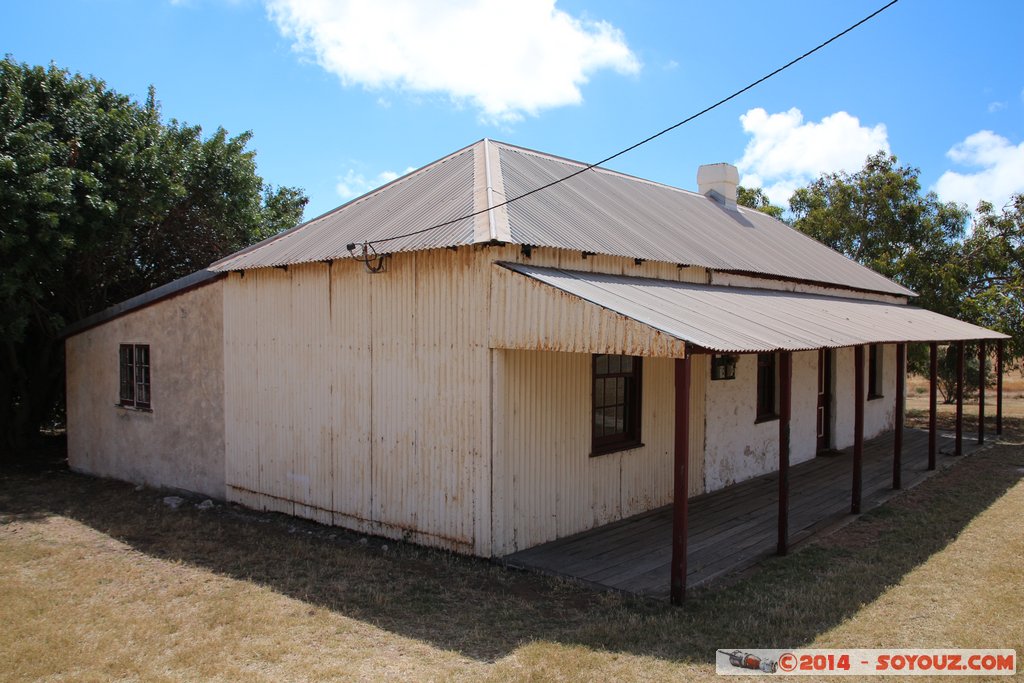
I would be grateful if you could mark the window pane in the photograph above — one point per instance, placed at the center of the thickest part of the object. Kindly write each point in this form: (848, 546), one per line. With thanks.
(616, 402)
(614, 364)
(874, 370)
(127, 375)
(766, 384)
(610, 426)
(142, 388)
(612, 393)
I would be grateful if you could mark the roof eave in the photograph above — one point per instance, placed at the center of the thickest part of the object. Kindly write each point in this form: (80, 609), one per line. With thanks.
(195, 280)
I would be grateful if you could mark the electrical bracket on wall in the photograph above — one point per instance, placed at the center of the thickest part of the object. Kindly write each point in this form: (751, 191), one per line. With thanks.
(368, 256)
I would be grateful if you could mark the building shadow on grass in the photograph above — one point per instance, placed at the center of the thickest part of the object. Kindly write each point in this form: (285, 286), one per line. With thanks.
(485, 612)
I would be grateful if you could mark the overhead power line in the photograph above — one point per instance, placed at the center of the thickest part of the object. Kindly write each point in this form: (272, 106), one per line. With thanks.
(368, 245)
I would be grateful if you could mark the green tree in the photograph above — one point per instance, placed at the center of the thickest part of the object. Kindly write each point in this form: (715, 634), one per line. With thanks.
(755, 198)
(101, 200)
(990, 270)
(879, 217)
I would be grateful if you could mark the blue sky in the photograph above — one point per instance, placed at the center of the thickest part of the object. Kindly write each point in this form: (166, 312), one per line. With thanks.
(342, 96)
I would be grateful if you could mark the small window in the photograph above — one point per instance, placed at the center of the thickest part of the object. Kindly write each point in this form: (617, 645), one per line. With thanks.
(874, 371)
(767, 387)
(616, 403)
(134, 364)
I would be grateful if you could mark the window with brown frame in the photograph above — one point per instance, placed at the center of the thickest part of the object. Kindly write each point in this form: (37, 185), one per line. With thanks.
(134, 364)
(767, 387)
(616, 403)
(874, 371)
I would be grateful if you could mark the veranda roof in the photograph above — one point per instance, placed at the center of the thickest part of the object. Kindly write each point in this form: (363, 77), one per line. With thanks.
(715, 318)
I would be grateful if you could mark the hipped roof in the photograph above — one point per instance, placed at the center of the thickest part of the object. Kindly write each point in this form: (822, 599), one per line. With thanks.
(599, 211)
(744, 320)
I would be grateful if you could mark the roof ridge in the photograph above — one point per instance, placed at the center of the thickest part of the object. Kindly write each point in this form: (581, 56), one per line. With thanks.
(599, 169)
(499, 229)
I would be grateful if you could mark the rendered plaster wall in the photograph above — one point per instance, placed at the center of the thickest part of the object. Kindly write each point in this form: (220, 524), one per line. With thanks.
(879, 413)
(737, 447)
(180, 442)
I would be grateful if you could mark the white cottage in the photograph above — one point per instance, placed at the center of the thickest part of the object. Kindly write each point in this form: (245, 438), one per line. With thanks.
(448, 361)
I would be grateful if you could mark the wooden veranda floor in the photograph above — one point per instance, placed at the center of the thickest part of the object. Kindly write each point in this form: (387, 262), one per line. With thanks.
(734, 527)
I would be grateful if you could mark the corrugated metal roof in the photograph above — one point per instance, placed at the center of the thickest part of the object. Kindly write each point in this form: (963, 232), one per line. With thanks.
(434, 194)
(609, 213)
(741, 320)
(599, 211)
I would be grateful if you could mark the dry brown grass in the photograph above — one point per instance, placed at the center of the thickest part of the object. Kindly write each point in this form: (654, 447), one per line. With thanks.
(99, 581)
(1013, 397)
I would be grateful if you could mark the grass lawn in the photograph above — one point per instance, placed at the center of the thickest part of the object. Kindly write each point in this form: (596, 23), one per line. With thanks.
(101, 581)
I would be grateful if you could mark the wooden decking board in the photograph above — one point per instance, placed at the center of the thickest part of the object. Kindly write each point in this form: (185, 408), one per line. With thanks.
(625, 527)
(609, 562)
(620, 539)
(731, 528)
(653, 545)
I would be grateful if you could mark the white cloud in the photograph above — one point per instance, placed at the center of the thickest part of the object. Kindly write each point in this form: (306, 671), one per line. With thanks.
(504, 58)
(1001, 173)
(354, 183)
(993, 107)
(785, 153)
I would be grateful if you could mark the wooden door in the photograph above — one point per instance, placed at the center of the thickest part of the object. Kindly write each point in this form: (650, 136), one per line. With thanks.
(824, 399)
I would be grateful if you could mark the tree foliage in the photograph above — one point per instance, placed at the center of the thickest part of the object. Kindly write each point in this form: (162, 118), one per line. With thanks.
(990, 269)
(755, 198)
(879, 217)
(101, 200)
(946, 383)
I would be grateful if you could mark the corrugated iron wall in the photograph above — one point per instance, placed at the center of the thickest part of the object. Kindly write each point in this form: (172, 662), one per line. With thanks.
(530, 315)
(527, 314)
(600, 263)
(281, 364)
(365, 401)
(360, 400)
(546, 485)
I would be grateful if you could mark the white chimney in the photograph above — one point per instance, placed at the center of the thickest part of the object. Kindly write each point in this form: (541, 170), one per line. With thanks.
(719, 182)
